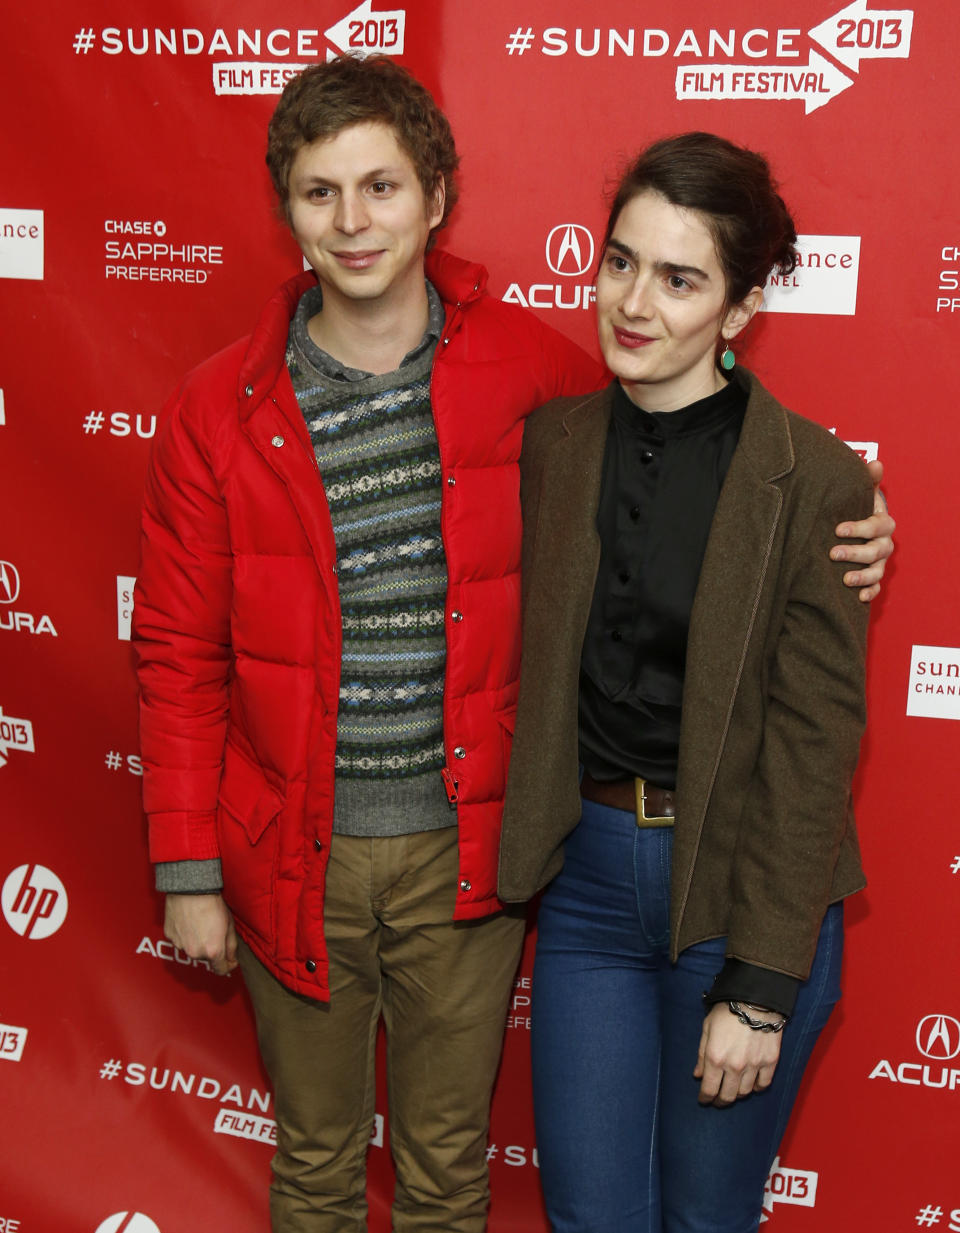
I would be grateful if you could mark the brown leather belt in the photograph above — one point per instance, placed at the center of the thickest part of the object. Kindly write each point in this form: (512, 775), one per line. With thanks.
(651, 806)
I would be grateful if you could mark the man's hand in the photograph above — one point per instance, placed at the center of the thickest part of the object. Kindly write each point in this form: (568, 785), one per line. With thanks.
(734, 1060)
(877, 530)
(202, 927)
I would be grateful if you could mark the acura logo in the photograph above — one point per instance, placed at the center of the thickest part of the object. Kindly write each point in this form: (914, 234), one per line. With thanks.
(938, 1037)
(570, 249)
(9, 583)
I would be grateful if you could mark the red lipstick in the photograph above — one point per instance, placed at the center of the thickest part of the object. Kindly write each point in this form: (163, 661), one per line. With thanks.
(626, 338)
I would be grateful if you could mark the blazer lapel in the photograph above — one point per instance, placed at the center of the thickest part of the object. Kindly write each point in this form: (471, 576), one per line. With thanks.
(728, 594)
(567, 547)
(562, 470)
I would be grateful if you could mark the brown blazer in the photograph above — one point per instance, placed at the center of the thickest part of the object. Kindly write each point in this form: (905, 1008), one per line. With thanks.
(773, 701)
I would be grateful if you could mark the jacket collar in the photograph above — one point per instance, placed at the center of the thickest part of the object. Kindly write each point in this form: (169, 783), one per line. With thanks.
(765, 443)
(459, 283)
(732, 577)
(267, 347)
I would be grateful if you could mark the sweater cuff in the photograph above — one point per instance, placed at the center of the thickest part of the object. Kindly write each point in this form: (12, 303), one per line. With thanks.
(739, 981)
(189, 877)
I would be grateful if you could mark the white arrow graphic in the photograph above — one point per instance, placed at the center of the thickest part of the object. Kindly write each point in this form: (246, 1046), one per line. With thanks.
(816, 83)
(797, 1186)
(14, 734)
(857, 33)
(365, 32)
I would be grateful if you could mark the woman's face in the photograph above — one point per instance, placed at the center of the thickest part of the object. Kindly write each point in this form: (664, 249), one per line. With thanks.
(660, 304)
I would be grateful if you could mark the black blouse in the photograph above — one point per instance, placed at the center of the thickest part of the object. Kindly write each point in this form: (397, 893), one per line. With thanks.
(662, 475)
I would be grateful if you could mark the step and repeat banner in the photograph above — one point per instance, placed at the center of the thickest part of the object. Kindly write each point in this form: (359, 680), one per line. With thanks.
(138, 235)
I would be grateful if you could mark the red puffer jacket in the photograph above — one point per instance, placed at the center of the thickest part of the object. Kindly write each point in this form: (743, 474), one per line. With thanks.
(237, 614)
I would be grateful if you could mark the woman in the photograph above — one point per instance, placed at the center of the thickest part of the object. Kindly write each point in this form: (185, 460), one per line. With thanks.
(676, 537)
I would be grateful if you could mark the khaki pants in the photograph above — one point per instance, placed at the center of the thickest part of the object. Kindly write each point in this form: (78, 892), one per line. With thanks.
(443, 990)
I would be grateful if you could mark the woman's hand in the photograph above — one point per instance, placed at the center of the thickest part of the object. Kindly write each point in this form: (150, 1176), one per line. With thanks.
(735, 1060)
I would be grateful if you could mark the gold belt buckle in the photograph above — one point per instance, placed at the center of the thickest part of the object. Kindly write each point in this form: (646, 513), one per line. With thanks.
(640, 787)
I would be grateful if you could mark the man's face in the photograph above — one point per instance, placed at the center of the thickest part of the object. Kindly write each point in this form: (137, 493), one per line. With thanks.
(359, 213)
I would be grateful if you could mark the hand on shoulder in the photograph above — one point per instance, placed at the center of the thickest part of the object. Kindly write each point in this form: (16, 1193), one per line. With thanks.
(877, 534)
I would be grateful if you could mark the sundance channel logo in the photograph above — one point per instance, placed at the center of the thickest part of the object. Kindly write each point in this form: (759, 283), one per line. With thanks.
(125, 585)
(824, 282)
(21, 244)
(934, 688)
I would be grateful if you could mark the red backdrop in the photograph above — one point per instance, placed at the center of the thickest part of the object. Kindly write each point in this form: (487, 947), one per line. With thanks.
(137, 237)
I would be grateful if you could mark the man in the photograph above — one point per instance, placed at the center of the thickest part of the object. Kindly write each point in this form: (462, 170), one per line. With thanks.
(327, 621)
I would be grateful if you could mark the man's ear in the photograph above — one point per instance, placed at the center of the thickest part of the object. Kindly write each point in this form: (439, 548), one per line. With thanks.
(739, 315)
(436, 202)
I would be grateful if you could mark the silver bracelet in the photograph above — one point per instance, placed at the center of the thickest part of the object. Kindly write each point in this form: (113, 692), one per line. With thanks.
(756, 1025)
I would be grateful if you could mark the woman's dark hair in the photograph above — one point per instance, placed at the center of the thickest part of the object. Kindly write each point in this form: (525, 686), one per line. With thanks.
(733, 190)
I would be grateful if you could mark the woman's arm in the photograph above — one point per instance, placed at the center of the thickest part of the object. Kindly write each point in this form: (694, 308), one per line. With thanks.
(796, 811)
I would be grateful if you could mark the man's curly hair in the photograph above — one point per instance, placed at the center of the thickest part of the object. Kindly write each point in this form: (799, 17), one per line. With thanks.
(326, 98)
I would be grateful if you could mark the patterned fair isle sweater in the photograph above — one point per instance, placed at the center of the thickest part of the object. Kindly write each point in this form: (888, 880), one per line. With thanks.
(376, 447)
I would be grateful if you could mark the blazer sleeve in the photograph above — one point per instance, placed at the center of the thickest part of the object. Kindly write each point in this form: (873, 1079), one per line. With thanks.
(797, 809)
(182, 640)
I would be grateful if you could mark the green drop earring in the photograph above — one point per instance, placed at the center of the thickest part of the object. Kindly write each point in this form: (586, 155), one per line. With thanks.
(727, 359)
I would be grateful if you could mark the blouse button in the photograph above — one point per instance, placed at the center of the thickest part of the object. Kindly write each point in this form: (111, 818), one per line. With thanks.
(277, 441)
(646, 457)
(635, 513)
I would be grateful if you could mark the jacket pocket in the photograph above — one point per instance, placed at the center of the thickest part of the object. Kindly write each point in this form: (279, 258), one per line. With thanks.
(249, 843)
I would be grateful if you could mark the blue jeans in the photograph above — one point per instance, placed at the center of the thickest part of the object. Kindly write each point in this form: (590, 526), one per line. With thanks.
(624, 1145)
